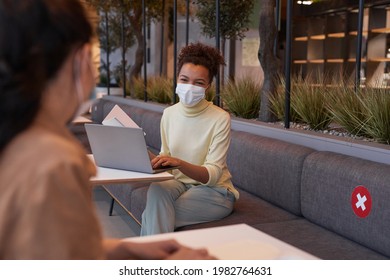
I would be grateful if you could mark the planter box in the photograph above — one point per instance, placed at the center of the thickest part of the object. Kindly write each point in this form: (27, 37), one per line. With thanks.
(352, 147)
(358, 148)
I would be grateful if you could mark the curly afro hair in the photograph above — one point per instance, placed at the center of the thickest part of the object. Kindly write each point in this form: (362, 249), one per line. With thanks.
(200, 54)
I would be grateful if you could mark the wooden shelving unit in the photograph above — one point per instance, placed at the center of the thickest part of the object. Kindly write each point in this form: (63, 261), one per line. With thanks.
(381, 30)
(316, 61)
(301, 39)
(378, 45)
(327, 44)
(379, 59)
(336, 35)
(300, 61)
(335, 60)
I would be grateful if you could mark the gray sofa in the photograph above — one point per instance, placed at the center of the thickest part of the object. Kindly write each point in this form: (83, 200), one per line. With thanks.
(292, 192)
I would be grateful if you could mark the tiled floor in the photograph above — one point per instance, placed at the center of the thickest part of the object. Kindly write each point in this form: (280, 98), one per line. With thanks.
(120, 224)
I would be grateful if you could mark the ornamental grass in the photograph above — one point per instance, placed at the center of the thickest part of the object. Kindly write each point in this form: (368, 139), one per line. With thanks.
(160, 89)
(278, 104)
(347, 109)
(376, 103)
(365, 113)
(242, 98)
(310, 103)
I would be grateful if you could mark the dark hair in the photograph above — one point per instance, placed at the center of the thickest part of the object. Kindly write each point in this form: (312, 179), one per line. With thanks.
(200, 54)
(36, 36)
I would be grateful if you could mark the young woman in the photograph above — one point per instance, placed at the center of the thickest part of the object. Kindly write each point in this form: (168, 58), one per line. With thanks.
(195, 136)
(46, 74)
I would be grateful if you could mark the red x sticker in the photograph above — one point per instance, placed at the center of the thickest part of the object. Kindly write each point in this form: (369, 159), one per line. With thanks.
(361, 201)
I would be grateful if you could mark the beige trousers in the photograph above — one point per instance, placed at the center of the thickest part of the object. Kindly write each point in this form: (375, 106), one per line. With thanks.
(172, 204)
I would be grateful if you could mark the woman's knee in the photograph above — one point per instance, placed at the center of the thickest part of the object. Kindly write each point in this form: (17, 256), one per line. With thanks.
(155, 190)
(172, 189)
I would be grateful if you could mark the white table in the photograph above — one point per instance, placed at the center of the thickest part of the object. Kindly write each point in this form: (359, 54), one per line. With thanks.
(234, 242)
(112, 176)
(81, 120)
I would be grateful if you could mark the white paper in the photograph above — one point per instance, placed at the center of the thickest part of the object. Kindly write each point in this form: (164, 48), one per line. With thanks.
(117, 117)
(112, 122)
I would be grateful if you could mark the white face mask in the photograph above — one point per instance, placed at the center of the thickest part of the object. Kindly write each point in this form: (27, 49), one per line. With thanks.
(189, 94)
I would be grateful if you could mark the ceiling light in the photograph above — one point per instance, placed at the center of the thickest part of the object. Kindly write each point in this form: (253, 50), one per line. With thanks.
(304, 2)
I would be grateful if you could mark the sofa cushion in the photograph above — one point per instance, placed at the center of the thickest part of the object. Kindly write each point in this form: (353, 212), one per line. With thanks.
(250, 210)
(268, 168)
(150, 123)
(318, 241)
(328, 183)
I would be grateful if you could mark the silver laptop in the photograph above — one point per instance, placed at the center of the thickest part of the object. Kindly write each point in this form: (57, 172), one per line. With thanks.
(120, 148)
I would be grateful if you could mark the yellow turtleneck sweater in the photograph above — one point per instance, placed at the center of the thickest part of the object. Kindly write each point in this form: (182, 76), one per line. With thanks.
(199, 135)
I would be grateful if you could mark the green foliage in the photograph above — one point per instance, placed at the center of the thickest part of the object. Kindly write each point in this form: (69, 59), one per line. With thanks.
(131, 12)
(138, 87)
(242, 98)
(160, 89)
(347, 109)
(278, 103)
(211, 93)
(363, 113)
(366, 113)
(117, 73)
(234, 17)
(109, 29)
(103, 80)
(129, 7)
(309, 102)
(376, 103)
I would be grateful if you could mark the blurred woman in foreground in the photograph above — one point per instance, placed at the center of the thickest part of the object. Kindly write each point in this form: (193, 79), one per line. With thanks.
(46, 74)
